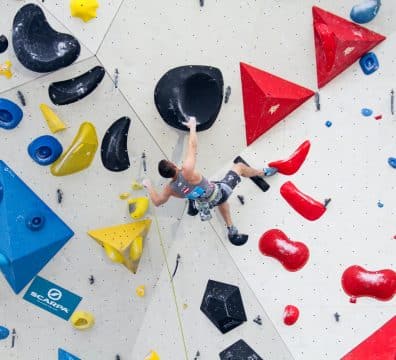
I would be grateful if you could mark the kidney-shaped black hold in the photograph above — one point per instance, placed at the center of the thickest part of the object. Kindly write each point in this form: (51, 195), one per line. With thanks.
(3, 43)
(69, 91)
(114, 148)
(192, 90)
(37, 46)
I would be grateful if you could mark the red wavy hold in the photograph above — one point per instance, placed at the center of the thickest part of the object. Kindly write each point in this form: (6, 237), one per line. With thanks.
(294, 162)
(302, 203)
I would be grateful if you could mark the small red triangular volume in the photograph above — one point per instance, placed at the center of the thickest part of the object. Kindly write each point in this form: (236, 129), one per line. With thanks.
(267, 99)
(338, 44)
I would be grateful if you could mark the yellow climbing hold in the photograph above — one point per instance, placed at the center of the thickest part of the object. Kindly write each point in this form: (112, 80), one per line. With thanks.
(136, 250)
(124, 195)
(136, 186)
(152, 356)
(84, 9)
(82, 320)
(54, 123)
(140, 291)
(5, 69)
(125, 240)
(80, 153)
(138, 207)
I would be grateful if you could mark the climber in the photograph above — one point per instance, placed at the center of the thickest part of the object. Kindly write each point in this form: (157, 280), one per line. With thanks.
(203, 195)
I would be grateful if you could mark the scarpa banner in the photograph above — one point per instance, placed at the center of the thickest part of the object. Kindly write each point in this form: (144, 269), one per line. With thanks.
(52, 298)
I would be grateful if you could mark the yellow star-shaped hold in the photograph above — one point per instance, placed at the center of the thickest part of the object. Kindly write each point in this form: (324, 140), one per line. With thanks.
(84, 9)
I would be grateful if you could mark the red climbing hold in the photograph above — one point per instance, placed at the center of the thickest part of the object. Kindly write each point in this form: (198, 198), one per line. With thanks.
(302, 203)
(290, 315)
(291, 165)
(338, 43)
(267, 99)
(293, 255)
(380, 345)
(357, 282)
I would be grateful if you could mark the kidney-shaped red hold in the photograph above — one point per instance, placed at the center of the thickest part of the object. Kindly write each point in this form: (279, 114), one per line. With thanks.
(290, 315)
(293, 255)
(302, 203)
(294, 162)
(357, 282)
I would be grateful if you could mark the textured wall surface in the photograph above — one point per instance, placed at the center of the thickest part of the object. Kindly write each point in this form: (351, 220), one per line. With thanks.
(347, 162)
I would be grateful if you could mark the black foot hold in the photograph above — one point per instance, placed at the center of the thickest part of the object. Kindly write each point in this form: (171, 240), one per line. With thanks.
(259, 181)
(192, 209)
(326, 202)
(238, 239)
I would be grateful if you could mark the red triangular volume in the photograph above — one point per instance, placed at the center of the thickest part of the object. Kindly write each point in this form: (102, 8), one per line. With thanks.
(381, 345)
(338, 44)
(267, 99)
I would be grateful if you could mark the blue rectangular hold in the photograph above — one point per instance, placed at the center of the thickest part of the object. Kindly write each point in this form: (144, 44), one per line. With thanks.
(52, 298)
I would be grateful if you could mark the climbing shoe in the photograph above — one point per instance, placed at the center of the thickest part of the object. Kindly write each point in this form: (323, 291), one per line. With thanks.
(270, 171)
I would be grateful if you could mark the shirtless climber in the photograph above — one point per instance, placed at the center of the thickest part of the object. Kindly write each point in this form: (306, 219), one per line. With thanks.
(188, 183)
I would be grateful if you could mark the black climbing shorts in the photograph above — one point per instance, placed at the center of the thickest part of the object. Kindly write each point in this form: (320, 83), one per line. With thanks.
(227, 184)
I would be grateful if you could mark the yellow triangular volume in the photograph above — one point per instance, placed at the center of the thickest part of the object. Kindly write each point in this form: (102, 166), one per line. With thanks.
(123, 243)
(121, 236)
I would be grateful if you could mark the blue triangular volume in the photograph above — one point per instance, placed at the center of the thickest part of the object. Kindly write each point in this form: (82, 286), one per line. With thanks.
(64, 355)
(30, 232)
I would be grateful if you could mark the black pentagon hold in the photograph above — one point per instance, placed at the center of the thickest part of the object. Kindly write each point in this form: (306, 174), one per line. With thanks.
(192, 90)
(114, 150)
(3, 43)
(239, 351)
(222, 304)
(37, 46)
(69, 91)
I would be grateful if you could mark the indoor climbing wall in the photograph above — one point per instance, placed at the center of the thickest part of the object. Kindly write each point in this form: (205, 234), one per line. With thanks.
(151, 278)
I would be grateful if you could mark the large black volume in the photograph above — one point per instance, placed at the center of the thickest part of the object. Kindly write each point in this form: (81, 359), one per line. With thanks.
(190, 91)
(69, 91)
(114, 148)
(37, 46)
(222, 304)
(239, 351)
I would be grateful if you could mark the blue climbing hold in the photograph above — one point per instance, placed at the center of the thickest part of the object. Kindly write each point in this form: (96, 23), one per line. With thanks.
(45, 149)
(10, 114)
(64, 355)
(380, 204)
(369, 63)
(367, 112)
(365, 11)
(4, 332)
(391, 162)
(30, 232)
(328, 123)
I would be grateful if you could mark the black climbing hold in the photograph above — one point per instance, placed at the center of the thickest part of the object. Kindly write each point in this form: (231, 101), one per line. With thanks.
(3, 43)
(37, 46)
(227, 94)
(238, 239)
(91, 280)
(337, 317)
(69, 91)
(190, 91)
(21, 98)
(59, 195)
(239, 351)
(258, 320)
(259, 181)
(114, 149)
(222, 304)
(241, 199)
(201, 3)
